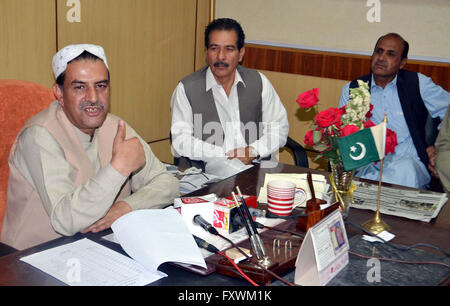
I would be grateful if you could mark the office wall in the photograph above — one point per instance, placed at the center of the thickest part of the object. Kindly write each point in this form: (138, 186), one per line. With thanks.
(149, 44)
(27, 40)
(343, 25)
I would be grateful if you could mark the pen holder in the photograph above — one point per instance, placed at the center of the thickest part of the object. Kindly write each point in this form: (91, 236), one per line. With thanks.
(282, 255)
(314, 214)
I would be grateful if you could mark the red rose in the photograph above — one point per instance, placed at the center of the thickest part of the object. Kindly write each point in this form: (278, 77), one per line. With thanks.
(368, 124)
(309, 98)
(339, 124)
(349, 129)
(369, 113)
(308, 140)
(328, 117)
(391, 142)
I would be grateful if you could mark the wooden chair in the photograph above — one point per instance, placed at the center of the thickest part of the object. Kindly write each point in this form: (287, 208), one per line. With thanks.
(19, 100)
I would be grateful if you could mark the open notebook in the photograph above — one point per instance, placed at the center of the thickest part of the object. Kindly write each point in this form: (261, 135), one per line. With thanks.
(150, 237)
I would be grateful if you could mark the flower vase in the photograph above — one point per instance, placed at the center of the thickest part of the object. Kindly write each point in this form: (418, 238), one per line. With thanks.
(342, 186)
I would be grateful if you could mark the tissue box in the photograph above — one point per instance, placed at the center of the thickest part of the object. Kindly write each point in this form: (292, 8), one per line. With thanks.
(225, 211)
(226, 215)
(178, 202)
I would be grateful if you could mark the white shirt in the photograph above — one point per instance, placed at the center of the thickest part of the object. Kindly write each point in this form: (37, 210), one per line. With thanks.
(274, 122)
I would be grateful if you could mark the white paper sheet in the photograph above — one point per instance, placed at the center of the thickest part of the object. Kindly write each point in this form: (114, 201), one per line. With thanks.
(224, 167)
(385, 235)
(87, 263)
(155, 236)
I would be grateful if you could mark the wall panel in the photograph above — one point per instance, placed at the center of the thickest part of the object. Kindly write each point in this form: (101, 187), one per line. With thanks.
(27, 40)
(162, 150)
(150, 46)
(203, 18)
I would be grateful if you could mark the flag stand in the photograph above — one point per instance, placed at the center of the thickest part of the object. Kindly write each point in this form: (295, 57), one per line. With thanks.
(376, 225)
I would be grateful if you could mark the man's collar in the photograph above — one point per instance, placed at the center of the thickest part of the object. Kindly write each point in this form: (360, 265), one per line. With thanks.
(393, 82)
(84, 138)
(211, 81)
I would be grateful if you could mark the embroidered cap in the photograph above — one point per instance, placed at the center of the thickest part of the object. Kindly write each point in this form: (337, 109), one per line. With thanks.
(68, 53)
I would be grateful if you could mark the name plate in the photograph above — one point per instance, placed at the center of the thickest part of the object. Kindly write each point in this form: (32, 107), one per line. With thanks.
(324, 252)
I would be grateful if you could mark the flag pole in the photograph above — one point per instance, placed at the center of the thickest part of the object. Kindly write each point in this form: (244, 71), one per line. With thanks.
(376, 225)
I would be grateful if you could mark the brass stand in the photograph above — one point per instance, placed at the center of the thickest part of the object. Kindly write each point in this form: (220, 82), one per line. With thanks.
(377, 225)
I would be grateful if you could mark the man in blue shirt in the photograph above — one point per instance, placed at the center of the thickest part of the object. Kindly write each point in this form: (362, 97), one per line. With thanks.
(443, 153)
(407, 98)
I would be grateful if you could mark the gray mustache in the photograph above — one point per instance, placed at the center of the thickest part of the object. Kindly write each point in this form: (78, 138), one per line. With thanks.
(92, 104)
(380, 63)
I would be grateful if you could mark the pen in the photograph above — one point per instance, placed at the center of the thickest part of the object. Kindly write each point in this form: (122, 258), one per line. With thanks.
(252, 222)
(249, 232)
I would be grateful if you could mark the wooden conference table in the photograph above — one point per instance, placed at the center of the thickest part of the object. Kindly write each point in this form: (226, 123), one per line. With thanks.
(408, 232)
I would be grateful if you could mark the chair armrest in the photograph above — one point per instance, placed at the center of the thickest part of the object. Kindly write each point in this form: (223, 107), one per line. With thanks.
(301, 158)
(6, 249)
(186, 163)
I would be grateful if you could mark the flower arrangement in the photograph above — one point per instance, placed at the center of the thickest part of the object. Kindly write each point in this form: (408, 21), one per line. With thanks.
(333, 123)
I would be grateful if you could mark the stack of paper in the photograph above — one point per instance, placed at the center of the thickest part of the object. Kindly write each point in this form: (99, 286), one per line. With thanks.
(195, 181)
(423, 205)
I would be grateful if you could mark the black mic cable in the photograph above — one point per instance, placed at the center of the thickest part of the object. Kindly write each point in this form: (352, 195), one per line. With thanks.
(211, 229)
(205, 245)
(208, 246)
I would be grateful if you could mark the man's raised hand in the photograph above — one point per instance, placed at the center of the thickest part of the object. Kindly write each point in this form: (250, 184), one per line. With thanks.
(127, 154)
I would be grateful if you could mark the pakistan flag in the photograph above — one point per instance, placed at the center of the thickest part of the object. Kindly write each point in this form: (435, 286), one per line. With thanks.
(363, 147)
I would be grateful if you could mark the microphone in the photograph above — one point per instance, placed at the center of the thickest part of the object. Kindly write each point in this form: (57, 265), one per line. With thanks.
(205, 225)
(205, 245)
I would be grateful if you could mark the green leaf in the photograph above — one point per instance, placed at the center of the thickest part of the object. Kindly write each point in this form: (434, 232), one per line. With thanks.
(318, 157)
(320, 147)
(317, 136)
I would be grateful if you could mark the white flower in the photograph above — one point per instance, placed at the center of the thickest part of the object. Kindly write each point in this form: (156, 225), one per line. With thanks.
(363, 85)
(358, 105)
